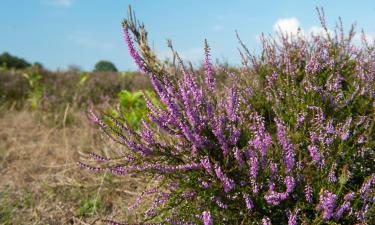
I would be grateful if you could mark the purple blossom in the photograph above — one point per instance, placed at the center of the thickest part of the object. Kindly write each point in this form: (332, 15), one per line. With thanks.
(262, 139)
(290, 184)
(274, 198)
(219, 202)
(205, 184)
(133, 52)
(349, 196)
(327, 202)
(207, 220)
(189, 194)
(209, 70)
(344, 130)
(266, 221)
(366, 187)
(300, 118)
(249, 203)
(217, 129)
(332, 176)
(292, 217)
(228, 184)
(286, 145)
(314, 153)
(308, 193)
(341, 210)
(205, 162)
(253, 168)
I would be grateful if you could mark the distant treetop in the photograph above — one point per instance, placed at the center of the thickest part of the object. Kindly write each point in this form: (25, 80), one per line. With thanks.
(9, 61)
(104, 65)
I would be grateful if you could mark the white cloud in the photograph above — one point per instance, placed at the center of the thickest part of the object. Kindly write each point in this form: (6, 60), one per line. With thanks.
(317, 31)
(287, 25)
(63, 3)
(84, 39)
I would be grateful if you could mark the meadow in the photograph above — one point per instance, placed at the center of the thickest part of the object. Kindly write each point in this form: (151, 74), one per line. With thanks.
(45, 131)
(285, 138)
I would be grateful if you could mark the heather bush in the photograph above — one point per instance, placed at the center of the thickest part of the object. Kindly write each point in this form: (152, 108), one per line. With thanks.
(289, 139)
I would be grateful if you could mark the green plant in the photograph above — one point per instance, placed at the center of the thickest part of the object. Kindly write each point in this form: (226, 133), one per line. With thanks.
(36, 89)
(89, 206)
(133, 107)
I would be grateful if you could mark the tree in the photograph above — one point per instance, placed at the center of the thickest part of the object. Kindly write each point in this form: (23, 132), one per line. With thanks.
(104, 65)
(9, 61)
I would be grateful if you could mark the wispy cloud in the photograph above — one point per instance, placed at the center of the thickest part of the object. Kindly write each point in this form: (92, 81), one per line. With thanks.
(62, 3)
(85, 39)
(287, 25)
(292, 26)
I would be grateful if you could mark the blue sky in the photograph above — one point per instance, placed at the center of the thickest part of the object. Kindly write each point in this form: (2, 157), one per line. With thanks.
(59, 33)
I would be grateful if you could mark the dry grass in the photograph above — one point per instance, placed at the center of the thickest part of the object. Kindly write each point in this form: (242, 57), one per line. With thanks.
(39, 180)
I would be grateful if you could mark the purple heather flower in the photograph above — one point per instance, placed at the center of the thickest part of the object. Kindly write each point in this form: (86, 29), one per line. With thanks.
(266, 221)
(262, 139)
(189, 194)
(300, 118)
(228, 184)
(349, 196)
(217, 129)
(205, 184)
(219, 202)
(274, 198)
(207, 220)
(327, 202)
(314, 153)
(232, 104)
(330, 129)
(290, 184)
(248, 201)
(366, 186)
(308, 193)
(341, 210)
(133, 52)
(206, 164)
(253, 168)
(99, 157)
(273, 167)
(140, 198)
(209, 70)
(292, 217)
(332, 176)
(288, 148)
(91, 168)
(344, 130)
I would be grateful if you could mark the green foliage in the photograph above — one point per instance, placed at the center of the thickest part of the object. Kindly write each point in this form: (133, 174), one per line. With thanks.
(132, 107)
(105, 66)
(83, 77)
(36, 89)
(9, 61)
(89, 206)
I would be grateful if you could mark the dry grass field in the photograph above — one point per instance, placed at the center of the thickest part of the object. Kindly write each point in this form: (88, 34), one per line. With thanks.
(40, 182)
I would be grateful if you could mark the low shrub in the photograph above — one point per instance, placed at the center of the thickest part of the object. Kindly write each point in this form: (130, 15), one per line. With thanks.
(287, 140)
